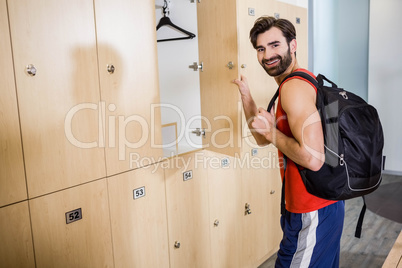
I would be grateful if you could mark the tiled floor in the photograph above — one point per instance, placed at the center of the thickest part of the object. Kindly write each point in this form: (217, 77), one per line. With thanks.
(378, 236)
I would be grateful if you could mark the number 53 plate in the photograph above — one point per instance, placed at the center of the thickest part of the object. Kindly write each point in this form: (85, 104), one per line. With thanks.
(139, 192)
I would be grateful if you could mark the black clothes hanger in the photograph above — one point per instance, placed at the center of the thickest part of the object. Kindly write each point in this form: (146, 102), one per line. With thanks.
(165, 21)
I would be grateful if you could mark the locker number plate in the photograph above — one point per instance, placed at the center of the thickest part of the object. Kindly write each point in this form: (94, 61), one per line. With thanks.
(225, 162)
(74, 215)
(139, 192)
(187, 175)
(254, 152)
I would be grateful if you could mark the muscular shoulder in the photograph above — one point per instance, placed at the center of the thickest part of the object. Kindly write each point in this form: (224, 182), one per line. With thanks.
(298, 96)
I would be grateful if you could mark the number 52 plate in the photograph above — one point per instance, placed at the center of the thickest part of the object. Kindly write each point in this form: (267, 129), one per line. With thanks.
(73, 215)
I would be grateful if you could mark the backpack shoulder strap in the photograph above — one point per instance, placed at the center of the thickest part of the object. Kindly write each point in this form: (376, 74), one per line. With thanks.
(305, 76)
(359, 225)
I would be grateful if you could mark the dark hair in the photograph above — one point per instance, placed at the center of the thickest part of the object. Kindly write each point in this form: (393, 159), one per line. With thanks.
(263, 24)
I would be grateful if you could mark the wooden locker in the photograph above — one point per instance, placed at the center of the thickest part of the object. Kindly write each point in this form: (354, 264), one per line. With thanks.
(265, 88)
(71, 228)
(127, 41)
(54, 49)
(138, 218)
(188, 211)
(299, 17)
(226, 51)
(16, 249)
(274, 209)
(12, 176)
(226, 210)
(262, 86)
(265, 232)
(260, 177)
(218, 50)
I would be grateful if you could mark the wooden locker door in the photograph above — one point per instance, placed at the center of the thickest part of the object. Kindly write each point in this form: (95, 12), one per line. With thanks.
(262, 86)
(126, 34)
(218, 47)
(138, 218)
(274, 208)
(12, 176)
(59, 94)
(299, 17)
(16, 248)
(293, 13)
(187, 211)
(256, 192)
(62, 239)
(226, 210)
(261, 190)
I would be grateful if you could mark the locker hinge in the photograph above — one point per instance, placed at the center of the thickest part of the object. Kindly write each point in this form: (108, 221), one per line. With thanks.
(195, 66)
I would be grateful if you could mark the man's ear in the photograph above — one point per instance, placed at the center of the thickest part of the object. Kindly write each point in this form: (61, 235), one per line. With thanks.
(293, 46)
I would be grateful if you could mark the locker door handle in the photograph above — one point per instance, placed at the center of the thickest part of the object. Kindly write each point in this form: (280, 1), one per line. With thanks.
(247, 209)
(110, 68)
(31, 70)
(230, 65)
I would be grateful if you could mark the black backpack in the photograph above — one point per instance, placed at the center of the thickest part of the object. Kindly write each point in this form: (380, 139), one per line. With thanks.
(353, 140)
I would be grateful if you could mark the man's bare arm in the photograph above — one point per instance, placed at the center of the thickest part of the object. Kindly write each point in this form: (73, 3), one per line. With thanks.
(307, 146)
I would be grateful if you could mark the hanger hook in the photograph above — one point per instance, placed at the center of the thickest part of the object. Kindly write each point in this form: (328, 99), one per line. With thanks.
(165, 6)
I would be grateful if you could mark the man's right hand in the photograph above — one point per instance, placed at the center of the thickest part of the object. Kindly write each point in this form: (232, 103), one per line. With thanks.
(243, 85)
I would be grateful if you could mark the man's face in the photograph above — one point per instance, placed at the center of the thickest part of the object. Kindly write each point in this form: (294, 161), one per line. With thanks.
(273, 52)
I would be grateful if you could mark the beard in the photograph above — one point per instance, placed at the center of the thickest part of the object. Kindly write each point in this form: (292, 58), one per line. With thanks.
(284, 63)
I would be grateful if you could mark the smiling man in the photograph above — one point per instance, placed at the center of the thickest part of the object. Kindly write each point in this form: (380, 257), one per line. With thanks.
(312, 227)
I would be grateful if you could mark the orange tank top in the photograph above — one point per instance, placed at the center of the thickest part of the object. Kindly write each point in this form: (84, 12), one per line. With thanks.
(297, 199)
